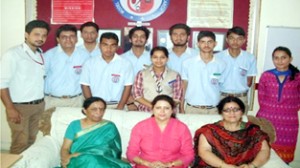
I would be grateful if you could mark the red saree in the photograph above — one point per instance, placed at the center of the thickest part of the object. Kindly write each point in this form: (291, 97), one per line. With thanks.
(238, 147)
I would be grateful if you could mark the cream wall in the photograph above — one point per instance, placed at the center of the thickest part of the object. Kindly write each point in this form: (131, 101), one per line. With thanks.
(276, 13)
(12, 33)
(273, 13)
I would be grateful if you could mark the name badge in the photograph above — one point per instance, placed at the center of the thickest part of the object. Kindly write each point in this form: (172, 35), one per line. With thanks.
(78, 69)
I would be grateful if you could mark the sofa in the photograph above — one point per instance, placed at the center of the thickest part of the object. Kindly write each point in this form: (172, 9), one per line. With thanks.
(45, 152)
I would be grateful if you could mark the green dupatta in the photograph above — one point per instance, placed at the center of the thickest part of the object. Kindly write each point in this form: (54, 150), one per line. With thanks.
(99, 146)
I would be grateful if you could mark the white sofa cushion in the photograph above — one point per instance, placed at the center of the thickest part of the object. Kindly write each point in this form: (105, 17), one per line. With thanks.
(46, 151)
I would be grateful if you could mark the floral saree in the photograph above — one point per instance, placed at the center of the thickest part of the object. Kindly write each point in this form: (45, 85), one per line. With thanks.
(237, 147)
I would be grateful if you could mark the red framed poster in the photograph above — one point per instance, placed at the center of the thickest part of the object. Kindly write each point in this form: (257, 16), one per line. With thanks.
(72, 11)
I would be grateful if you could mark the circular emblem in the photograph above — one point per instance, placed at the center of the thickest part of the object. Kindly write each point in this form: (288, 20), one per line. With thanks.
(141, 10)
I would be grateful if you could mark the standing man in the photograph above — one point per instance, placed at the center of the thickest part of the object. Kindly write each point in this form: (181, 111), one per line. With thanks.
(22, 86)
(89, 34)
(202, 76)
(241, 66)
(108, 76)
(63, 65)
(180, 35)
(138, 56)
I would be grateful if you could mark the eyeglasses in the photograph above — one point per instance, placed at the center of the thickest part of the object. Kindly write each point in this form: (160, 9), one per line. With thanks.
(231, 109)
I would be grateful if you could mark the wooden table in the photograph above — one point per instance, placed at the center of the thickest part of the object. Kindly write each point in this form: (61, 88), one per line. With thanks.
(7, 160)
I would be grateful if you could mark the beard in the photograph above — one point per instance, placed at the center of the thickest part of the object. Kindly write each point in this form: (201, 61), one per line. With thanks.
(139, 45)
(179, 44)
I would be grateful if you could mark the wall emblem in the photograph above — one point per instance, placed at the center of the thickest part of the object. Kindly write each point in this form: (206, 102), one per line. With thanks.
(141, 10)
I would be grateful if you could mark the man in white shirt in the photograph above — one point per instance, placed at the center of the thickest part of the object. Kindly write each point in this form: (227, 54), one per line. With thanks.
(138, 56)
(202, 76)
(89, 34)
(180, 35)
(22, 86)
(108, 76)
(63, 65)
(241, 66)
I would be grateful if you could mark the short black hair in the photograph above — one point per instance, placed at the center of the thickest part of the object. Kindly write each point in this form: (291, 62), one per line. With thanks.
(36, 24)
(160, 48)
(66, 27)
(180, 26)
(109, 35)
(89, 24)
(142, 28)
(236, 30)
(206, 33)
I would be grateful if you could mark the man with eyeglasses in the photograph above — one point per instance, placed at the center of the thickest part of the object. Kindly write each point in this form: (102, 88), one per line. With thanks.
(63, 66)
(22, 84)
(241, 66)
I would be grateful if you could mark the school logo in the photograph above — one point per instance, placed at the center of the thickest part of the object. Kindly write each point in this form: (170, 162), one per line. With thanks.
(141, 10)
(115, 78)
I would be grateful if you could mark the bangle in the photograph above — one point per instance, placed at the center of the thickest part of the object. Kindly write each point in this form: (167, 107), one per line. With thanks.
(128, 104)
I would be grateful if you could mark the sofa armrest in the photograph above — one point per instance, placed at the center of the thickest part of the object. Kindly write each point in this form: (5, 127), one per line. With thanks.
(43, 153)
(275, 161)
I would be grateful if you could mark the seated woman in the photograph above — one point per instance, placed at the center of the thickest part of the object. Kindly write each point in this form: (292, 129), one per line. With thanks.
(231, 143)
(161, 141)
(156, 80)
(92, 141)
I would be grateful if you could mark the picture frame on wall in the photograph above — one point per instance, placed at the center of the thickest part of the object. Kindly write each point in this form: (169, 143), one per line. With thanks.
(163, 38)
(118, 32)
(220, 39)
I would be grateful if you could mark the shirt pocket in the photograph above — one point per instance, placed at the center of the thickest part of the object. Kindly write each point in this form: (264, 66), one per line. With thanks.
(243, 71)
(214, 78)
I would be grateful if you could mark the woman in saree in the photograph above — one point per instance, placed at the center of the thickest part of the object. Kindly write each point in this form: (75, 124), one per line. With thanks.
(92, 141)
(231, 143)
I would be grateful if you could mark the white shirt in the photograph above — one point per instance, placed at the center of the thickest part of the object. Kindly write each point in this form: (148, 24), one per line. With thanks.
(22, 72)
(138, 63)
(203, 80)
(63, 71)
(175, 62)
(107, 80)
(95, 52)
(238, 70)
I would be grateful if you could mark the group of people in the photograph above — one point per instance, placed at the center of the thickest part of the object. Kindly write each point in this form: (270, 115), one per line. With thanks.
(163, 141)
(195, 80)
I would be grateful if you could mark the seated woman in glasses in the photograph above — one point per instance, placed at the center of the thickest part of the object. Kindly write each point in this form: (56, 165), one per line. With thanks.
(231, 143)
(156, 80)
(92, 141)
